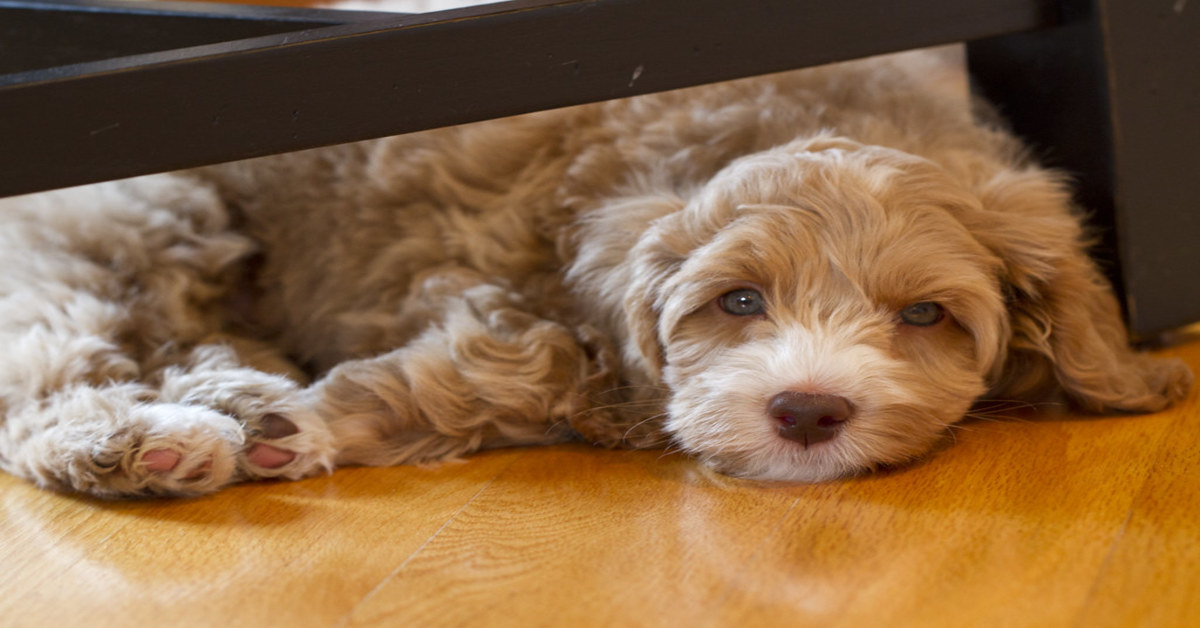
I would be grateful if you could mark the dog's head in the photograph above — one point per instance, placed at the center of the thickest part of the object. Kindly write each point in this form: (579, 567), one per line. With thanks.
(825, 307)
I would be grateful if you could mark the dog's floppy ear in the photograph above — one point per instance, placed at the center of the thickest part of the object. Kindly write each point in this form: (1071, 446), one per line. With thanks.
(622, 253)
(658, 253)
(1066, 325)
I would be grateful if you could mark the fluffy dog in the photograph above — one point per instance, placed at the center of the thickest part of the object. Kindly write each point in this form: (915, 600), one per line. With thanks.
(796, 277)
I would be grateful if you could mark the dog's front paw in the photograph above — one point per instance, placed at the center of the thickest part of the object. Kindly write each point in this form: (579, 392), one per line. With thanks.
(282, 435)
(175, 449)
(285, 442)
(161, 449)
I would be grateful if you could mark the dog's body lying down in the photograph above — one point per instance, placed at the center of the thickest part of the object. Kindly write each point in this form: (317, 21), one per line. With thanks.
(795, 277)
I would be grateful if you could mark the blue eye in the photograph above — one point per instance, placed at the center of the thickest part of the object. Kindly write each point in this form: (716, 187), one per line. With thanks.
(922, 314)
(744, 302)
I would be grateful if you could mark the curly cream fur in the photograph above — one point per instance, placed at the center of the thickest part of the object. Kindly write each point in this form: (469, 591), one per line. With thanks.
(554, 276)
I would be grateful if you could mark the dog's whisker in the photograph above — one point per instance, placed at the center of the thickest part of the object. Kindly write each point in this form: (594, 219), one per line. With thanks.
(619, 407)
(670, 450)
(650, 387)
(1007, 410)
(632, 403)
(646, 421)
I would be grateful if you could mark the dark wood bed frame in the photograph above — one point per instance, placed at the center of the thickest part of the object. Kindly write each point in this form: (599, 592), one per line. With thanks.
(92, 90)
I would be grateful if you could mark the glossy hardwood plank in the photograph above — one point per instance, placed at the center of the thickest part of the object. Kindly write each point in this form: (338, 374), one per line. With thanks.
(1152, 575)
(295, 554)
(1009, 526)
(583, 537)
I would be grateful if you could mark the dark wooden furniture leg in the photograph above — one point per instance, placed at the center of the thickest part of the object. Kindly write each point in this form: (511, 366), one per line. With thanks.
(1112, 95)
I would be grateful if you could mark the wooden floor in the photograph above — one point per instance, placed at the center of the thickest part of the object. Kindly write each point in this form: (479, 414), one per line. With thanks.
(1049, 519)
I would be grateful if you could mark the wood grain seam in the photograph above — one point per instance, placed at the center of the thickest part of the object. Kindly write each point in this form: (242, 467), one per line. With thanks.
(345, 621)
(1162, 455)
(1098, 578)
(720, 601)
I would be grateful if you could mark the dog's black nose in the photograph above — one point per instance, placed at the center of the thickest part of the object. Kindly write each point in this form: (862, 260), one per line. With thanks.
(808, 418)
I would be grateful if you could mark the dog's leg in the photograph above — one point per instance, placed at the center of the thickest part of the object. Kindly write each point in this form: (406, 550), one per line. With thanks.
(189, 429)
(486, 374)
(81, 412)
(107, 383)
(110, 441)
(282, 437)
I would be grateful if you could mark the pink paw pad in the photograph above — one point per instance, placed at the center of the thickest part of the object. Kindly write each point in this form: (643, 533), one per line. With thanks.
(161, 460)
(269, 457)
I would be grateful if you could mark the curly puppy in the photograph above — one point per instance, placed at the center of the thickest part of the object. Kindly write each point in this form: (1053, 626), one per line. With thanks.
(795, 277)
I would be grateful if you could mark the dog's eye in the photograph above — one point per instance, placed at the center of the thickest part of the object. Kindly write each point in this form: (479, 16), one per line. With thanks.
(922, 314)
(744, 302)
